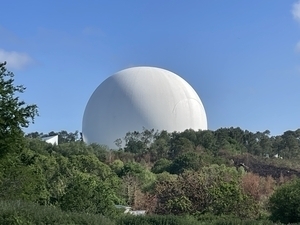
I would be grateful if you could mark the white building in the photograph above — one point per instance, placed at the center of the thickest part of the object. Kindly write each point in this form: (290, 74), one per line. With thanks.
(51, 139)
(128, 210)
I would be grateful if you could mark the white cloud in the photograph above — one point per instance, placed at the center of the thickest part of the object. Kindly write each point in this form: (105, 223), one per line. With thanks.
(296, 11)
(15, 60)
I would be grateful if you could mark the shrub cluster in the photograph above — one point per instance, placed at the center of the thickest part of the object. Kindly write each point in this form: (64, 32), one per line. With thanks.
(18, 212)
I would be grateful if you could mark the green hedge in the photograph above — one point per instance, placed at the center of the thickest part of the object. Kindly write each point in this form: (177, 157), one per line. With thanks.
(26, 213)
(156, 219)
(188, 220)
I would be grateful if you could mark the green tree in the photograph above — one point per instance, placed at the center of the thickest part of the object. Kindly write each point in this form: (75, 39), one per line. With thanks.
(117, 166)
(186, 161)
(161, 165)
(291, 144)
(86, 193)
(207, 140)
(15, 114)
(22, 182)
(214, 189)
(285, 203)
(180, 144)
(160, 146)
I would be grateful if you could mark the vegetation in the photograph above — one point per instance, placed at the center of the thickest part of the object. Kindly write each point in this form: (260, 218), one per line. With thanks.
(14, 113)
(227, 176)
(285, 203)
(19, 212)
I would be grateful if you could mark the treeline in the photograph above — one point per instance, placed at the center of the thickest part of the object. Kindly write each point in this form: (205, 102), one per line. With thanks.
(187, 173)
(234, 140)
(18, 212)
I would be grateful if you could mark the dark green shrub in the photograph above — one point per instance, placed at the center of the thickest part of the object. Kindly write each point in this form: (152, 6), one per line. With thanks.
(285, 203)
(157, 220)
(206, 219)
(17, 212)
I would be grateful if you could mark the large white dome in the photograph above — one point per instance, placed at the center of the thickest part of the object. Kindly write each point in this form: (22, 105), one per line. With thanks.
(137, 98)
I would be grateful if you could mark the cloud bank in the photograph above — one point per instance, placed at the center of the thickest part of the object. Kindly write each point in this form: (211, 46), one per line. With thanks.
(15, 60)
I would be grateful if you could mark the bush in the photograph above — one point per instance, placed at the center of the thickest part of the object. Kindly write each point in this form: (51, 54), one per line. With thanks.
(27, 213)
(17, 212)
(285, 203)
(207, 219)
(157, 220)
(210, 219)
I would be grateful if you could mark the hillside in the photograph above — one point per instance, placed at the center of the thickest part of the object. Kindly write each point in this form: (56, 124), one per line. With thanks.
(263, 167)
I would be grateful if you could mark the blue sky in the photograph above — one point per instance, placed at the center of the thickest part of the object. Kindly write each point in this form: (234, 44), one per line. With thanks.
(242, 57)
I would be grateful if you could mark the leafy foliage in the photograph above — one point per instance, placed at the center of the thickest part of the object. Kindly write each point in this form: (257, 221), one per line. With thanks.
(22, 182)
(14, 113)
(285, 203)
(215, 189)
(161, 165)
(20, 212)
(186, 161)
(86, 193)
(153, 220)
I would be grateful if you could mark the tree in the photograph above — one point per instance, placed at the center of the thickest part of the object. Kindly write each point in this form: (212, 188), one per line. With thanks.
(22, 182)
(285, 203)
(207, 140)
(160, 146)
(15, 114)
(214, 189)
(186, 161)
(86, 193)
(180, 144)
(135, 143)
(161, 165)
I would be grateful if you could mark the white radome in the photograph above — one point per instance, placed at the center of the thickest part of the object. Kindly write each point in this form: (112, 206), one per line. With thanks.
(138, 98)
